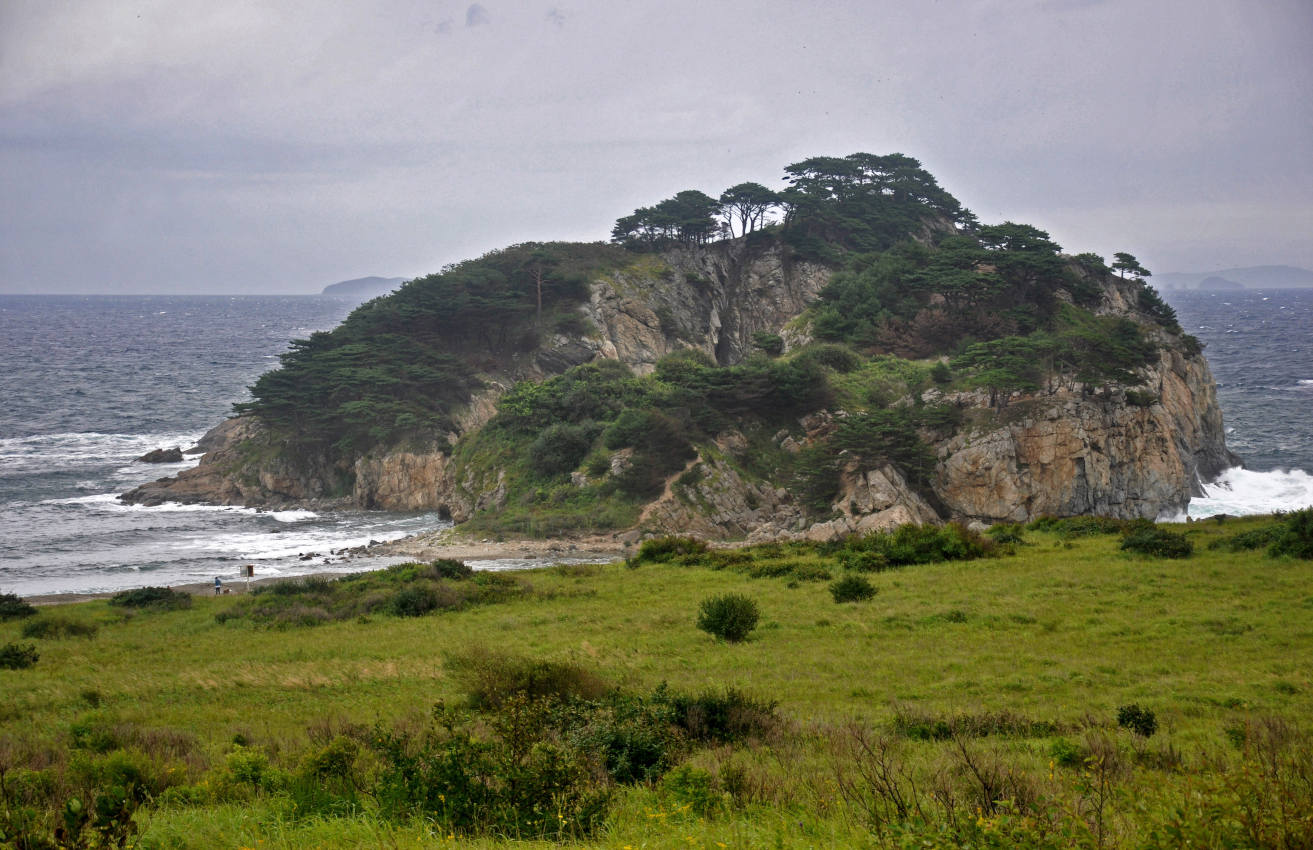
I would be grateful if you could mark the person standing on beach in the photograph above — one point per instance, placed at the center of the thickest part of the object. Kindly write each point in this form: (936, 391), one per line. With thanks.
(218, 586)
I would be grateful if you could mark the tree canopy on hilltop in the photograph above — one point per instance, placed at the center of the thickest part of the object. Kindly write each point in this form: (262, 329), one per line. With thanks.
(860, 202)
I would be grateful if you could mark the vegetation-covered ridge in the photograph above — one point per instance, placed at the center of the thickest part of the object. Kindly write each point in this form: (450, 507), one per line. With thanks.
(919, 307)
(1091, 684)
(399, 366)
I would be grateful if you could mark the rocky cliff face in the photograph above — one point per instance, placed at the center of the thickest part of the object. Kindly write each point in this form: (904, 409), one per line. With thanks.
(241, 466)
(713, 301)
(1074, 450)
(1067, 449)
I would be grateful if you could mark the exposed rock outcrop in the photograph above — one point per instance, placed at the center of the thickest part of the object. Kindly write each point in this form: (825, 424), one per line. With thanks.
(173, 455)
(403, 481)
(711, 300)
(1074, 450)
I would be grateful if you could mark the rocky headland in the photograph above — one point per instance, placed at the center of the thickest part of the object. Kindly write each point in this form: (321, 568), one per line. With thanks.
(997, 380)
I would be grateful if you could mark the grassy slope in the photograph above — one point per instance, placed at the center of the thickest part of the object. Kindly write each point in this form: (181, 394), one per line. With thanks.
(1057, 632)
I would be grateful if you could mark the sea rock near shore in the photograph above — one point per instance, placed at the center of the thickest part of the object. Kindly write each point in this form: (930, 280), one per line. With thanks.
(173, 455)
(228, 474)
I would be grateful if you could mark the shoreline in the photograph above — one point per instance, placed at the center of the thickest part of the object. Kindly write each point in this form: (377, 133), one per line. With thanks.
(425, 546)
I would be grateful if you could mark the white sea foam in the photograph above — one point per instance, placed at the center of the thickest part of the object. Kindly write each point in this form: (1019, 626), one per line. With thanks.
(110, 502)
(1239, 492)
(47, 451)
(275, 547)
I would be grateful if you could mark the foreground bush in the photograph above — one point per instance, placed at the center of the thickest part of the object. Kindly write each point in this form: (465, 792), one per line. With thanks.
(661, 550)
(542, 757)
(1145, 538)
(57, 626)
(852, 588)
(13, 607)
(514, 782)
(720, 717)
(730, 617)
(17, 656)
(162, 598)
(491, 678)
(1139, 720)
(1296, 536)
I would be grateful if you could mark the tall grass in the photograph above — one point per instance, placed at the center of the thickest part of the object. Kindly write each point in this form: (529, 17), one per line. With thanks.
(966, 703)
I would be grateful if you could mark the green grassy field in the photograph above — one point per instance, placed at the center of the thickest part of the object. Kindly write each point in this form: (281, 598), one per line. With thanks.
(968, 703)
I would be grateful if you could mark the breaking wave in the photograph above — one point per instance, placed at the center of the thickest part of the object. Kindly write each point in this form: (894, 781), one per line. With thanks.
(1241, 492)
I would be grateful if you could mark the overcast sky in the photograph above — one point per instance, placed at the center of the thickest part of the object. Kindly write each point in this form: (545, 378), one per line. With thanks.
(235, 147)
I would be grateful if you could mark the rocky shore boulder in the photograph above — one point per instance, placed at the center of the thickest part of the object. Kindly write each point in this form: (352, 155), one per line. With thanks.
(173, 455)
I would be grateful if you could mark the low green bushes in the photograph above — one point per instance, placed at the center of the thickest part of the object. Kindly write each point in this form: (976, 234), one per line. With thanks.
(14, 607)
(1247, 541)
(414, 601)
(402, 590)
(449, 568)
(730, 617)
(52, 626)
(852, 588)
(913, 544)
(1007, 532)
(1078, 526)
(1296, 536)
(18, 656)
(1139, 720)
(661, 550)
(921, 725)
(155, 598)
(1145, 538)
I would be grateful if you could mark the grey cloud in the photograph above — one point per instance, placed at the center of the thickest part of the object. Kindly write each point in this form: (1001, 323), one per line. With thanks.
(252, 147)
(475, 16)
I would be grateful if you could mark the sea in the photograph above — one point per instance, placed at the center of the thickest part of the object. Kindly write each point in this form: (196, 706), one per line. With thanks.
(1259, 345)
(91, 383)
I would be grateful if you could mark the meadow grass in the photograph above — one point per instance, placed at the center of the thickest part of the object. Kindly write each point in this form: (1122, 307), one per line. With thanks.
(1057, 635)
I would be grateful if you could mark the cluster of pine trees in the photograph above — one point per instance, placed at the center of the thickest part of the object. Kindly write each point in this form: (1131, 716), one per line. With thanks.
(858, 202)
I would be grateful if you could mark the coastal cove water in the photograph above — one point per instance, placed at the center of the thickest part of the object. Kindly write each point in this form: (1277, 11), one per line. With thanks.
(1259, 344)
(90, 383)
